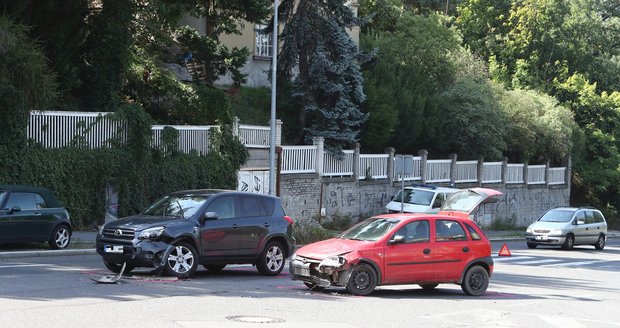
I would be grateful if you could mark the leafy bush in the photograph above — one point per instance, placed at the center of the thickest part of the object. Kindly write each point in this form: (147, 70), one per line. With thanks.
(308, 231)
(338, 222)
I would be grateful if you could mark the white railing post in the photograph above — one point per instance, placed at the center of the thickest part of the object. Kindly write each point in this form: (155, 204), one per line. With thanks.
(547, 164)
(235, 127)
(390, 164)
(453, 157)
(319, 143)
(504, 170)
(423, 158)
(356, 162)
(278, 132)
(480, 170)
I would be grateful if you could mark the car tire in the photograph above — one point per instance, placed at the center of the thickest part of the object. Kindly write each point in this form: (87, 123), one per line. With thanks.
(569, 242)
(428, 286)
(271, 261)
(116, 267)
(313, 287)
(600, 243)
(60, 238)
(476, 281)
(363, 280)
(531, 245)
(181, 261)
(214, 267)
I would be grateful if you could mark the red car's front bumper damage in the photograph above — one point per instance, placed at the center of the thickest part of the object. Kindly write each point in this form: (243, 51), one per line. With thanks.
(332, 271)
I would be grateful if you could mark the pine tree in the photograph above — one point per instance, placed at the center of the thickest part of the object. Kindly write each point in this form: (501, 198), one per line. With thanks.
(324, 64)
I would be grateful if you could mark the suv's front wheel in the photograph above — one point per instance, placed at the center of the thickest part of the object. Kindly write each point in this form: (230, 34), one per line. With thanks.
(182, 261)
(271, 262)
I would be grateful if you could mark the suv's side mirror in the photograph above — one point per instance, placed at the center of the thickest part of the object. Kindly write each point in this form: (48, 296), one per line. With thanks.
(209, 216)
(15, 209)
(397, 239)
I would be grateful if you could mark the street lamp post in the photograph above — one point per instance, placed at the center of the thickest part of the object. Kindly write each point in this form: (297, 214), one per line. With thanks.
(272, 125)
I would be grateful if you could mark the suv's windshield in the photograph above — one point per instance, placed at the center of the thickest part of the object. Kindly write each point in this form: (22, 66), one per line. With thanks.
(370, 229)
(557, 216)
(415, 196)
(184, 206)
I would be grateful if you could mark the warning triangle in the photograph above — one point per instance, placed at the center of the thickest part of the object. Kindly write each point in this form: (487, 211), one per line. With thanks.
(504, 251)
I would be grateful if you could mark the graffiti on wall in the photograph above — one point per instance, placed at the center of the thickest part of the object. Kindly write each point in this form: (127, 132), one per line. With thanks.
(253, 181)
(356, 201)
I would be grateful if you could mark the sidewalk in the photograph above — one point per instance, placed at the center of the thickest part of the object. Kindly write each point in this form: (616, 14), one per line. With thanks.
(83, 243)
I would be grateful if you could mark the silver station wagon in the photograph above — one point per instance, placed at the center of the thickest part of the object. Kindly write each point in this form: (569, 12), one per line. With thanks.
(567, 227)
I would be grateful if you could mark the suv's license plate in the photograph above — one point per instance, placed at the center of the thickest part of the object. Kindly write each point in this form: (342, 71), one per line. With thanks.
(541, 237)
(302, 271)
(113, 249)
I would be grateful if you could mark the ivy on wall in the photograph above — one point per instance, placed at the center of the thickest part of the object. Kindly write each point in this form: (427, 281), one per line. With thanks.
(79, 175)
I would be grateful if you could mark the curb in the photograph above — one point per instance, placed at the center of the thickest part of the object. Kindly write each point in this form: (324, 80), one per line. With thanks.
(47, 253)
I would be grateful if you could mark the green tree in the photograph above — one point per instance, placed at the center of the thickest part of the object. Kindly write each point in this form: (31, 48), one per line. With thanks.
(413, 64)
(324, 64)
(26, 83)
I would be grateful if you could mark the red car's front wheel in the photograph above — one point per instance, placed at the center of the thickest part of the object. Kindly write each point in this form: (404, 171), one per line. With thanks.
(363, 280)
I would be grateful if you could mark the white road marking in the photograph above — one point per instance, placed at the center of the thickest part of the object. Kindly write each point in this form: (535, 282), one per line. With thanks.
(575, 263)
(510, 258)
(536, 261)
(22, 266)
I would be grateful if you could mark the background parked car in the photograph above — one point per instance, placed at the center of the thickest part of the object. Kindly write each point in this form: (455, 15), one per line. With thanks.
(419, 199)
(567, 227)
(209, 227)
(33, 214)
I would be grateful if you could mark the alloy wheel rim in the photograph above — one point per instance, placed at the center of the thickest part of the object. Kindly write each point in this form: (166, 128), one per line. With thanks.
(181, 259)
(62, 238)
(601, 241)
(275, 258)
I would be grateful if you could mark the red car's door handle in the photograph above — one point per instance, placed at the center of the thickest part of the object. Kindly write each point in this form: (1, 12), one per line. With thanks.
(427, 251)
(465, 249)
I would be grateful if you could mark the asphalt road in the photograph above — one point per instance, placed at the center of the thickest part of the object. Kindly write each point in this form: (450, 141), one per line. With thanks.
(544, 287)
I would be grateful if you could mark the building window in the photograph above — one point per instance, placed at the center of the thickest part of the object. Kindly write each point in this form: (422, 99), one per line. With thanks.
(264, 43)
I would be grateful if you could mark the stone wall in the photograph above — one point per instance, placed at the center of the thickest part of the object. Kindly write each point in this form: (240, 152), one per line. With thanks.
(304, 195)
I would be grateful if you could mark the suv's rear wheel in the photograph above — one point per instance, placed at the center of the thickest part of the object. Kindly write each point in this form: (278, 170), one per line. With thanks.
(569, 242)
(476, 281)
(600, 243)
(531, 245)
(363, 280)
(116, 267)
(182, 261)
(271, 262)
(60, 238)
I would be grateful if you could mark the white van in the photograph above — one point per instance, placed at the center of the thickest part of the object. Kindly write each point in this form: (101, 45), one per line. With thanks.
(419, 199)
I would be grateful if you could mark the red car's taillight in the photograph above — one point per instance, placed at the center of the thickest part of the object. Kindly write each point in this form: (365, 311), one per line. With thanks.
(288, 218)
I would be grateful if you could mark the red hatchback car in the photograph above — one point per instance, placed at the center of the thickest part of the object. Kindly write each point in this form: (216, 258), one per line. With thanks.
(406, 248)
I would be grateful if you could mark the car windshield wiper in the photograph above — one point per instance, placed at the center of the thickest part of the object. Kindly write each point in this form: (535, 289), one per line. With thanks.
(181, 208)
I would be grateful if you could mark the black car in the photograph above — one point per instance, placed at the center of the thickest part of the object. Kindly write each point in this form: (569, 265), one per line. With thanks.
(33, 214)
(209, 227)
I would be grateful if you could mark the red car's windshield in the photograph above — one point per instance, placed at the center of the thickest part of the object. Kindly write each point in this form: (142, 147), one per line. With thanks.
(370, 229)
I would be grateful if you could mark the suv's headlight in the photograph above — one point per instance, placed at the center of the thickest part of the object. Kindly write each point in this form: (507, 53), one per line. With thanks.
(529, 230)
(101, 230)
(151, 233)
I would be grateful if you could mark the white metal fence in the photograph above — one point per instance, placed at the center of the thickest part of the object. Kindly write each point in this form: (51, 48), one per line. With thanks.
(298, 159)
(57, 129)
(466, 171)
(333, 167)
(492, 172)
(438, 170)
(54, 129)
(373, 166)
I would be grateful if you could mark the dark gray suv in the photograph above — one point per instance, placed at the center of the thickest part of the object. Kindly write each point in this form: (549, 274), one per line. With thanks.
(209, 227)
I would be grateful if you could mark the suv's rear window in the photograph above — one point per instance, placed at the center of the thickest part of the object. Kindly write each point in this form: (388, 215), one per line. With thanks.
(268, 205)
